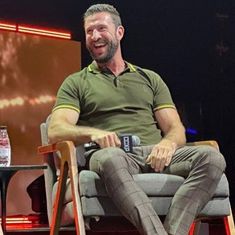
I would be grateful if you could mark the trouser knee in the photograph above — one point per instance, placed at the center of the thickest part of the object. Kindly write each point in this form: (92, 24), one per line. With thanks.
(212, 160)
(107, 159)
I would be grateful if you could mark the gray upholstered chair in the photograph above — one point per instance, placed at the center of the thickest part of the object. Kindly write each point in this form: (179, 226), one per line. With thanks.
(87, 198)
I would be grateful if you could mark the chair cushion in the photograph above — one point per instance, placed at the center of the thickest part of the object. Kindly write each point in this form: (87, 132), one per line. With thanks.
(159, 187)
(153, 184)
(103, 206)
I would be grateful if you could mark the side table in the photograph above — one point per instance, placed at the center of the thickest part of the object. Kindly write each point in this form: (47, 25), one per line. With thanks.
(6, 172)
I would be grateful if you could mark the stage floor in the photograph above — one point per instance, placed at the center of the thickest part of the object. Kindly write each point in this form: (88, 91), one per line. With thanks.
(36, 224)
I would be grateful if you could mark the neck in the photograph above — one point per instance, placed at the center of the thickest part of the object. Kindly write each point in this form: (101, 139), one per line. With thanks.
(116, 65)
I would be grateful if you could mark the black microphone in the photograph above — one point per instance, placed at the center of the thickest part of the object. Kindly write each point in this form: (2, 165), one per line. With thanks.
(128, 141)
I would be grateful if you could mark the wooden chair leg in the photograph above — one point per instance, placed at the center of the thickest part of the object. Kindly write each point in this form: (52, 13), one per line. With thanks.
(57, 208)
(229, 224)
(68, 153)
(77, 208)
(68, 165)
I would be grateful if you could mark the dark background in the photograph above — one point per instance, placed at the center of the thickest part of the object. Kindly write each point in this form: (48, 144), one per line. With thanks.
(189, 43)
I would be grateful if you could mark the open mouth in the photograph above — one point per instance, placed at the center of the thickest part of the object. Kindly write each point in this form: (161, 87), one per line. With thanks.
(99, 48)
(99, 45)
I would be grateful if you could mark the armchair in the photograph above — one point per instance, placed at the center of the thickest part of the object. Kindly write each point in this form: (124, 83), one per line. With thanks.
(83, 196)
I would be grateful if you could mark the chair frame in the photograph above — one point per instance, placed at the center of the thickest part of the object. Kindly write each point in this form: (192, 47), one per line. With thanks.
(69, 167)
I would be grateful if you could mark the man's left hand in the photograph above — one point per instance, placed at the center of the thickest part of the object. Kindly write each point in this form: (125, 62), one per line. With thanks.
(161, 155)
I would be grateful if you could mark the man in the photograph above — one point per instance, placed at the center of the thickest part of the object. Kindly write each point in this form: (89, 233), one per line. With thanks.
(111, 97)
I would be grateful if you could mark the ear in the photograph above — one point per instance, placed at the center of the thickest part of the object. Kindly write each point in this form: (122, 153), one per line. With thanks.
(120, 32)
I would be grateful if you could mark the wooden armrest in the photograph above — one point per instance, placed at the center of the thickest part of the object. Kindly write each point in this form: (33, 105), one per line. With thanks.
(212, 143)
(66, 148)
(50, 148)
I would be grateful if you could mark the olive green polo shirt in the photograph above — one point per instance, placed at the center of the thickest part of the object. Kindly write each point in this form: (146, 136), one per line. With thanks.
(123, 103)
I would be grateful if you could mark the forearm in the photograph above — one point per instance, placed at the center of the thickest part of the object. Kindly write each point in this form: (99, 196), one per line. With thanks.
(176, 135)
(171, 127)
(65, 131)
(163, 152)
(59, 131)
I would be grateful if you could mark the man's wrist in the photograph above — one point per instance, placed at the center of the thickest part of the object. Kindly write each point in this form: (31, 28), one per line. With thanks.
(172, 143)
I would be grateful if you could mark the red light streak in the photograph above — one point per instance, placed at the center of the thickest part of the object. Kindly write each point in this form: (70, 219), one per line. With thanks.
(43, 32)
(10, 27)
(35, 30)
(13, 220)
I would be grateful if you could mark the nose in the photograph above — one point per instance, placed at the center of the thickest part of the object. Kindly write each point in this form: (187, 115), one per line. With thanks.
(95, 35)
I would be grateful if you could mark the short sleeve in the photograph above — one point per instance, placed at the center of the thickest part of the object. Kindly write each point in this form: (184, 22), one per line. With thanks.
(68, 95)
(162, 95)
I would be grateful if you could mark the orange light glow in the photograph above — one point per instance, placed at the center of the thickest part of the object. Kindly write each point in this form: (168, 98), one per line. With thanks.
(35, 30)
(20, 101)
(41, 99)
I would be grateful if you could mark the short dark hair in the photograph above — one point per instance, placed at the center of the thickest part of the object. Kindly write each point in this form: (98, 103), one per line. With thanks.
(97, 8)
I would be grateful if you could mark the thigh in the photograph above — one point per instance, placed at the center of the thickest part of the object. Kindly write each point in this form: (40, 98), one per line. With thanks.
(111, 159)
(185, 157)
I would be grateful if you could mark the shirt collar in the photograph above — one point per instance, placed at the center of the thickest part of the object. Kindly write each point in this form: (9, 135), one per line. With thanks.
(93, 68)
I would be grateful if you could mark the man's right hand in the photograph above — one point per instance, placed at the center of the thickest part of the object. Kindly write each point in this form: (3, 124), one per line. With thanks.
(105, 139)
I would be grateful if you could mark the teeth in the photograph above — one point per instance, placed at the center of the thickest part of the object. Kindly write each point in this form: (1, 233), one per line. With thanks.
(99, 44)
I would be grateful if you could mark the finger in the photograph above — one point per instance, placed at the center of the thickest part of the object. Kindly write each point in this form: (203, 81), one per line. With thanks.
(102, 143)
(114, 140)
(158, 160)
(109, 141)
(169, 158)
(117, 141)
(148, 159)
(163, 162)
(98, 142)
(152, 163)
(153, 153)
(156, 163)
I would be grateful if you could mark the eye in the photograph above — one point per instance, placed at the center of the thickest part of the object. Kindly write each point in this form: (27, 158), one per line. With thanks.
(102, 28)
(89, 31)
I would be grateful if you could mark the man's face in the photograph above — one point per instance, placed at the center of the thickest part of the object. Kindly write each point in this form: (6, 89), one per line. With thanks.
(101, 37)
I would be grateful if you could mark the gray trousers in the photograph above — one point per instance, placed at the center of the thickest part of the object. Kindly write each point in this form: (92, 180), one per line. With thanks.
(202, 167)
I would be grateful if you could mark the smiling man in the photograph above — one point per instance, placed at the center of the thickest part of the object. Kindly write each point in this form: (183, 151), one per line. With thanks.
(102, 40)
(111, 97)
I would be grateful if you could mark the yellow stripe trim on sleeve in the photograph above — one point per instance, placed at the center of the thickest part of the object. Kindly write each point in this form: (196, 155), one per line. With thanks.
(164, 106)
(65, 106)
